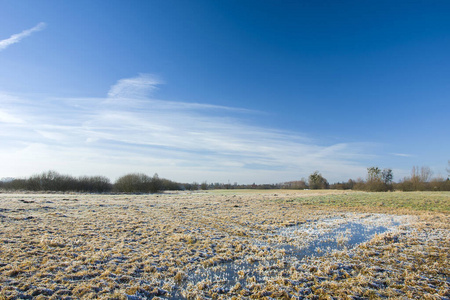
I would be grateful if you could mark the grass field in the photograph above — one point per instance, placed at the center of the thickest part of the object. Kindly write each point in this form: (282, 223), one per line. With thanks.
(420, 201)
(241, 244)
(415, 201)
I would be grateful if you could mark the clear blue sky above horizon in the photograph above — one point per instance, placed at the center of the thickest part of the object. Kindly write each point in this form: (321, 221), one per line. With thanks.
(240, 91)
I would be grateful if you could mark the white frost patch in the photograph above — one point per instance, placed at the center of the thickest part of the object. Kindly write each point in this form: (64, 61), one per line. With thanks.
(314, 229)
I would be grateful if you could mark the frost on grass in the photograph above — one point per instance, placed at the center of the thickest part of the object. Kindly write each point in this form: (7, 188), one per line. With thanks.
(206, 245)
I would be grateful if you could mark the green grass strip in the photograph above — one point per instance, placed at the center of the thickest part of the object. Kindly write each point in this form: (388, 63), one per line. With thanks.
(421, 201)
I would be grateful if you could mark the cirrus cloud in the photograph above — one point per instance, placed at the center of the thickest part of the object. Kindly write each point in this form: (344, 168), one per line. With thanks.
(15, 38)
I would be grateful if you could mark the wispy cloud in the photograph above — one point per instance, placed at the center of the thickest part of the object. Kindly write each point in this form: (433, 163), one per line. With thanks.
(135, 91)
(134, 88)
(15, 38)
(179, 140)
(402, 154)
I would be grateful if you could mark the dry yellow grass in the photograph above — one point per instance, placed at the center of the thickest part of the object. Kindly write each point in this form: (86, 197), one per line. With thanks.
(145, 246)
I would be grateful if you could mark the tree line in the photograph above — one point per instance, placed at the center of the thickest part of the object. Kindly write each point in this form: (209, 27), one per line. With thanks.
(56, 182)
(421, 179)
(377, 180)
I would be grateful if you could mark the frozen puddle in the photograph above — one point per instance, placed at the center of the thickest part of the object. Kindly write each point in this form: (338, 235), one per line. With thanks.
(315, 238)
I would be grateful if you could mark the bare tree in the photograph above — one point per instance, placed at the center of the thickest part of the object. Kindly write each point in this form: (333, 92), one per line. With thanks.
(373, 174)
(425, 174)
(448, 170)
(422, 174)
(379, 181)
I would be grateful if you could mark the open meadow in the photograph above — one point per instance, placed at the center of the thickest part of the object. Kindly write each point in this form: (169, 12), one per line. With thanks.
(241, 244)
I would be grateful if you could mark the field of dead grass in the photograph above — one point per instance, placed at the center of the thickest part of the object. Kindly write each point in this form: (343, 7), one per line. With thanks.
(74, 246)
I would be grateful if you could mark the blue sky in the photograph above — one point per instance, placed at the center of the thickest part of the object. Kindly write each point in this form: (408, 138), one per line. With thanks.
(240, 91)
